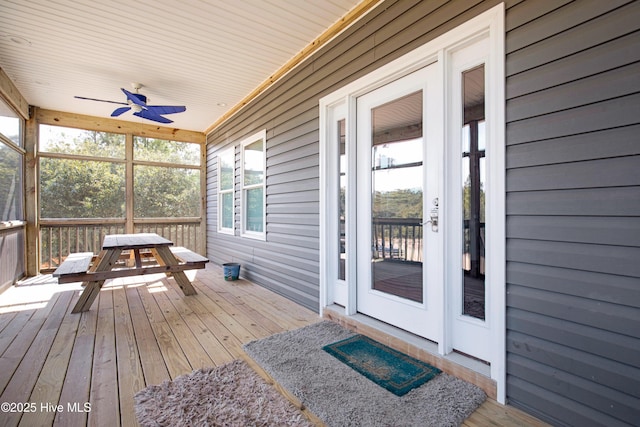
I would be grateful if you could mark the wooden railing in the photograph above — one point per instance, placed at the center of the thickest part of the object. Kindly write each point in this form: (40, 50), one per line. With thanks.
(401, 239)
(397, 238)
(59, 238)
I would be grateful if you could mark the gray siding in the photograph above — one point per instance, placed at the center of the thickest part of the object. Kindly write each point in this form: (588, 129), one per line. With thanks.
(573, 189)
(573, 211)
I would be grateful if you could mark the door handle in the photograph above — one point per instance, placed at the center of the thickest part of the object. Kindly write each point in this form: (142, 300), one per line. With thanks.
(433, 216)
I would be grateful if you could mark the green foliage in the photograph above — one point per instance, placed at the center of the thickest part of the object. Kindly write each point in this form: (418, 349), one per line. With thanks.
(10, 184)
(160, 150)
(397, 204)
(166, 192)
(83, 143)
(79, 188)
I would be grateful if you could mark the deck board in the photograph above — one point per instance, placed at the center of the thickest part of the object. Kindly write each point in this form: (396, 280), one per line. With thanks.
(77, 382)
(49, 384)
(141, 331)
(104, 385)
(153, 367)
(130, 376)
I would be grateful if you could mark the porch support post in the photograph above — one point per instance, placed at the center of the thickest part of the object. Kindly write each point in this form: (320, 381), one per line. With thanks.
(201, 240)
(128, 214)
(31, 196)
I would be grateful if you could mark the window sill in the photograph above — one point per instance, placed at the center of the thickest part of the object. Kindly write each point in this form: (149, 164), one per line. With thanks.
(9, 225)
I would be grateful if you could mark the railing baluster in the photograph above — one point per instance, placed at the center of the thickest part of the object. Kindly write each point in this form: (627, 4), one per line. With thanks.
(60, 245)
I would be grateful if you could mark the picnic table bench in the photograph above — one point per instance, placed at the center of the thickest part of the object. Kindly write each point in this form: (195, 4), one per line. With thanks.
(148, 254)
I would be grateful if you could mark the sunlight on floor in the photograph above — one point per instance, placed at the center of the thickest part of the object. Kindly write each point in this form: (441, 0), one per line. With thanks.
(36, 292)
(156, 287)
(33, 293)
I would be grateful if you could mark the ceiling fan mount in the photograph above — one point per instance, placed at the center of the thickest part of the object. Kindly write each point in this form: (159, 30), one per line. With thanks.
(138, 103)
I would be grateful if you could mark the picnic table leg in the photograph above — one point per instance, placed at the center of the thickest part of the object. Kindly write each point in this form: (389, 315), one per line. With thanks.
(104, 262)
(164, 256)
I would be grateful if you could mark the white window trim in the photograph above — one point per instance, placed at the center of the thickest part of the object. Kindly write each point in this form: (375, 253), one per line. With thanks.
(247, 141)
(490, 22)
(224, 230)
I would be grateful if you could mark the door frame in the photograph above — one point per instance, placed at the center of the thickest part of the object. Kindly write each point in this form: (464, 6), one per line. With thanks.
(488, 24)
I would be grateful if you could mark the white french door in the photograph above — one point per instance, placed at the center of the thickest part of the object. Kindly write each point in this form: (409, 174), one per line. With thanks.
(399, 155)
(412, 198)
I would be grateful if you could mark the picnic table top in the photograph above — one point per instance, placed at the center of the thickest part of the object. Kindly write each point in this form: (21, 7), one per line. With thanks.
(134, 241)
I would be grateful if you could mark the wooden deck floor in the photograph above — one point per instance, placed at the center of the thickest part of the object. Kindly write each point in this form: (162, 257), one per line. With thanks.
(58, 368)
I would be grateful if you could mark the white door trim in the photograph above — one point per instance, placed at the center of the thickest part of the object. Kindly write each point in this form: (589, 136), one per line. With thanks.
(491, 24)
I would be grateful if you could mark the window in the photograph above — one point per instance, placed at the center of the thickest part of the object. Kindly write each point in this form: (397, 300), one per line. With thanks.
(164, 151)
(79, 142)
(166, 192)
(253, 179)
(166, 178)
(342, 198)
(10, 183)
(12, 224)
(10, 124)
(82, 173)
(11, 164)
(226, 177)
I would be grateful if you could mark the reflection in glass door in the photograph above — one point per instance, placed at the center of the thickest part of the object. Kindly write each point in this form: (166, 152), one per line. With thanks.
(397, 197)
(473, 194)
(342, 200)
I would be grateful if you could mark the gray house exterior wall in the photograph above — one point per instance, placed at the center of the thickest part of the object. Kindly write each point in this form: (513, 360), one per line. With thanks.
(572, 179)
(573, 211)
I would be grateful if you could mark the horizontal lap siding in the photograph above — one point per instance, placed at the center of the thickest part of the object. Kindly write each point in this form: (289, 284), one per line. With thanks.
(573, 210)
(288, 261)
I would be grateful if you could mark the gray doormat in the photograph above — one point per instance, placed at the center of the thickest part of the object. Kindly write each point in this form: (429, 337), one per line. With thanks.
(341, 396)
(231, 395)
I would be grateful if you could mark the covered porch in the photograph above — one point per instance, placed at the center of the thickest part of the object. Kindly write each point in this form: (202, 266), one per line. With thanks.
(142, 331)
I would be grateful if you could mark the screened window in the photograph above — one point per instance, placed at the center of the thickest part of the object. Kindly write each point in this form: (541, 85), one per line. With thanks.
(10, 124)
(226, 173)
(12, 224)
(11, 165)
(166, 178)
(253, 173)
(79, 142)
(71, 188)
(82, 173)
(161, 150)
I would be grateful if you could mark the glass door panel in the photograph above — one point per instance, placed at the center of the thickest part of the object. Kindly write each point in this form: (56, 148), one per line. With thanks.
(473, 194)
(342, 200)
(397, 197)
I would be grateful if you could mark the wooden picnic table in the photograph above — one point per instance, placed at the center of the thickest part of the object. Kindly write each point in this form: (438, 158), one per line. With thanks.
(148, 254)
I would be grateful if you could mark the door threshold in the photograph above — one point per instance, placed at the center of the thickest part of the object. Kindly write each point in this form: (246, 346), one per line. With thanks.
(459, 365)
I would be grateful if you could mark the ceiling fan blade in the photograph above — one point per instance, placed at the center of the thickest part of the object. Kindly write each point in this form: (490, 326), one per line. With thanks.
(136, 98)
(119, 111)
(167, 109)
(100, 100)
(150, 115)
